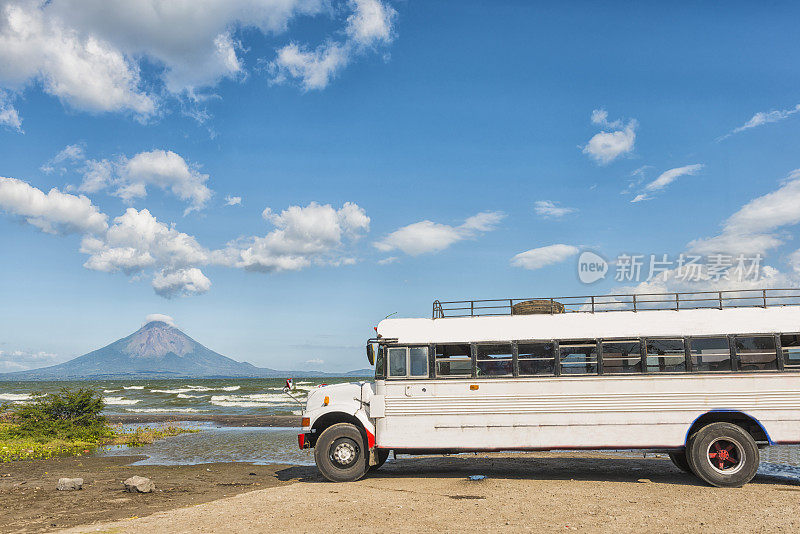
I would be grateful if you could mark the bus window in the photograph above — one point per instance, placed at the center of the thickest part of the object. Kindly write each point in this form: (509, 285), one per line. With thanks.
(380, 363)
(408, 362)
(756, 353)
(790, 350)
(397, 362)
(453, 361)
(665, 356)
(418, 361)
(536, 359)
(578, 358)
(621, 357)
(710, 354)
(494, 360)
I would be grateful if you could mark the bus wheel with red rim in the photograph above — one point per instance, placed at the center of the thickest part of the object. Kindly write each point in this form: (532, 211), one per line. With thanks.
(723, 454)
(679, 459)
(340, 453)
(381, 455)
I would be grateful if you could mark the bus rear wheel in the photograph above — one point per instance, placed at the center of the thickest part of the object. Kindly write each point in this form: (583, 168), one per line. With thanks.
(679, 459)
(723, 454)
(340, 453)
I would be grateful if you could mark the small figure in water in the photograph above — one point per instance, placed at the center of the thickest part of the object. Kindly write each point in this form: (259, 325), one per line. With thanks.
(289, 385)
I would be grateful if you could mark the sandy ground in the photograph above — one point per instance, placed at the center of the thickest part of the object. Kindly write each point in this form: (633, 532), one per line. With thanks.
(30, 502)
(542, 492)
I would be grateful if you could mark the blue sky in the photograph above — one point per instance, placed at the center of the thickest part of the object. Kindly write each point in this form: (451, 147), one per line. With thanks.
(406, 151)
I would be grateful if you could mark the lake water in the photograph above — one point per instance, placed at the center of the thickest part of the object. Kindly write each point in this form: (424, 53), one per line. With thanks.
(267, 445)
(237, 396)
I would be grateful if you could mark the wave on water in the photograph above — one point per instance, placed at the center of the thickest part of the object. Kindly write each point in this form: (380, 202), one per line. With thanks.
(255, 400)
(193, 389)
(165, 410)
(132, 387)
(14, 397)
(185, 396)
(111, 390)
(119, 401)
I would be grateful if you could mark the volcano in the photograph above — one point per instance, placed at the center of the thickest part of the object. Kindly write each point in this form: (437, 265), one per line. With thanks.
(156, 350)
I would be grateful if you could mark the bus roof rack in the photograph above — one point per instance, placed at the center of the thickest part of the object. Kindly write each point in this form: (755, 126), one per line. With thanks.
(743, 298)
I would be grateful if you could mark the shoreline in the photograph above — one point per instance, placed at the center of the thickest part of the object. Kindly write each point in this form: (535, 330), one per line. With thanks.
(285, 421)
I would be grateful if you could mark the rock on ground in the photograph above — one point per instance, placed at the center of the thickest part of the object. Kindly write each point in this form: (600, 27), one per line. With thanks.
(67, 484)
(139, 484)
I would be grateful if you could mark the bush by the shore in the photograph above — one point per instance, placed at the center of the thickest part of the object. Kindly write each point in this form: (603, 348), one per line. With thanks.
(66, 423)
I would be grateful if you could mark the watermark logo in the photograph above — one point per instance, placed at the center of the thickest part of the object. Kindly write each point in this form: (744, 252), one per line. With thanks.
(591, 267)
(639, 268)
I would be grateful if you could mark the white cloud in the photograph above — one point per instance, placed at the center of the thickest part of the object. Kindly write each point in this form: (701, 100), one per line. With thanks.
(666, 178)
(21, 360)
(600, 117)
(9, 117)
(80, 69)
(160, 317)
(313, 68)
(167, 170)
(764, 117)
(70, 154)
(606, 146)
(181, 282)
(426, 236)
(129, 178)
(548, 209)
(137, 241)
(387, 261)
(303, 236)
(314, 361)
(536, 258)
(233, 201)
(370, 24)
(137, 244)
(54, 212)
(90, 53)
(751, 230)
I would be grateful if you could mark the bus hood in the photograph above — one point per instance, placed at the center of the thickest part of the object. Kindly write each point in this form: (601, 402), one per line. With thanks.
(351, 394)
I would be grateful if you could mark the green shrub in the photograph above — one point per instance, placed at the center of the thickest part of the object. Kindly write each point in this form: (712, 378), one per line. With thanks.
(71, 414)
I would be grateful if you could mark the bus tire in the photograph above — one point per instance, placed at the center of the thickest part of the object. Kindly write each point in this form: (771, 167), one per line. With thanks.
(340, 453)
(381, 455)
(679, 459)
(723, 455)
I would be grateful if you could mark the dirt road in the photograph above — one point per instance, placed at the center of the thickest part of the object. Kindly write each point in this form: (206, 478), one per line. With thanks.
(532, 492)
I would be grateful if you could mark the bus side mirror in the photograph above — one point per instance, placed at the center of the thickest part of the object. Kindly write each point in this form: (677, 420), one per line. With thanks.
(370, 354)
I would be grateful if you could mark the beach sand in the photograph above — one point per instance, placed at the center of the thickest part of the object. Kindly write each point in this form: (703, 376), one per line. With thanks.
(550, 492)
(30, 502)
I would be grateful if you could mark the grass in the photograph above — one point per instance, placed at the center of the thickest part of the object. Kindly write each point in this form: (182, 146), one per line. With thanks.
(68, 423)
(13, 447)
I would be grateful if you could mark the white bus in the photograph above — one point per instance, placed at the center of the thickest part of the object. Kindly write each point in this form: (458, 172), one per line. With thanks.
(707, 377)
